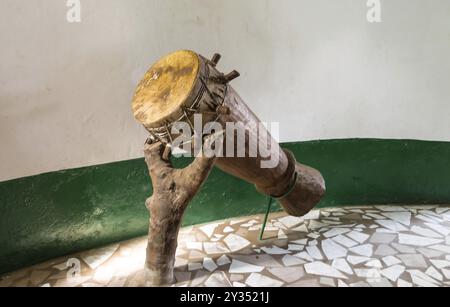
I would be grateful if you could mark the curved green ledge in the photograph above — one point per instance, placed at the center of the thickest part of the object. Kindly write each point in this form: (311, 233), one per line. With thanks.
(53, 214)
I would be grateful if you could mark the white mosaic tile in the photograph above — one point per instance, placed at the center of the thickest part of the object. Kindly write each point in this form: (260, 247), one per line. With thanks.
(209, 264)
(342, 265)
(446, 273)
(313, 243)
(195, 254)
(208, 229)
(358, 236)
(304, 255)
(333, 250)
(315, 225)
(385, 250)
(314, 252)
(343, 240)
(288, 275)
(404, 284)
(392, 225)
(379, 283)
(301, 228)
(263, 260)
(393, 273)
(442, 248)
(236, 242)
(368, 273)
(289, 260)
(375, 216)
(421, 279)
(275, 250)
(301, 241)
(401, 217)
(382, 238)
(195, 245)
(238, 267)
(259, 280)
(328, 282)
(391, 260)
(432, 272)
(413, 260)
(425, 232)
(441, 210)
(384, 230)
(390, 208)
(296, 247)
(290, 221)
(427, 218)
(356, 210)
(365, 250)
(417, 240)
(335, 232)
(282, 234)
(323, 269)
(313, 235)
(199, 278)
(223, 260)
(194, 266)
(403, 248)
(218, 279)
(374, 263)
(312, 215)
(236, 277)
(239, 221)
(212, 248)
(258, 227)
(180, 262)
(95, 258)
(228, 229)
(237, 284)
(61, 267)
(440, 264)
(430, 253)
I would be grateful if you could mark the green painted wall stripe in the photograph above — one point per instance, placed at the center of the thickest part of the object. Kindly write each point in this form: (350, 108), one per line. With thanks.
(53, 214)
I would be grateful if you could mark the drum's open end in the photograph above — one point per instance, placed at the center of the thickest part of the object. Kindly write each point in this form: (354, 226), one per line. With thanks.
(307, 192)
(165, 87)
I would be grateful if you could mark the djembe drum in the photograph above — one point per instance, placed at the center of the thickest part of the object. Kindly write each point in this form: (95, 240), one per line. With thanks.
(183, 84)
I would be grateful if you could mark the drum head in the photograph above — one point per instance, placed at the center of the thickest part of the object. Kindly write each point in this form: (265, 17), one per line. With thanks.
(165, 88)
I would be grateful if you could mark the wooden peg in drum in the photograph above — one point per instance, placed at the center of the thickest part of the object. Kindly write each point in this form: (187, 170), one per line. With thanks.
(215, 59)
(231, 76)
(225, 79)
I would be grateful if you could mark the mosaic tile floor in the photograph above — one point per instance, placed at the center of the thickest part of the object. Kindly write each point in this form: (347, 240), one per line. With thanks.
(366, 246)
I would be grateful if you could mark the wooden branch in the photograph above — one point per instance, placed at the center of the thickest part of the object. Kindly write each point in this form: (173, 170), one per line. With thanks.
(173, 189)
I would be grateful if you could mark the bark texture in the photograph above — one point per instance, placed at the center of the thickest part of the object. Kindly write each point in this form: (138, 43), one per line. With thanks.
(173, 189)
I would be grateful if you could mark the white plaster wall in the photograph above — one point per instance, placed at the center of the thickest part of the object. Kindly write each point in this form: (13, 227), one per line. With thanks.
(316, 66)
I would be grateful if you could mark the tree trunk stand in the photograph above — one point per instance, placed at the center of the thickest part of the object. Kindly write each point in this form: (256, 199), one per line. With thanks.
(173, 189)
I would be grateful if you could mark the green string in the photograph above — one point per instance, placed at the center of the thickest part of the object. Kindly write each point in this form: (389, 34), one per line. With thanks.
(291, 188)
(261, 235)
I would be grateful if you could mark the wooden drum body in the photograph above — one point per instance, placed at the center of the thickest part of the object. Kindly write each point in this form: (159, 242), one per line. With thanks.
(183, 84)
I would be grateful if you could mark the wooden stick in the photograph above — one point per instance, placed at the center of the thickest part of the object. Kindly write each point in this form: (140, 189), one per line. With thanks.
(173, 189)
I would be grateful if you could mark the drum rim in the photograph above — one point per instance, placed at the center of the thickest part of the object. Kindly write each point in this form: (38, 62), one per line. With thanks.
(158, 124)
(191, 105)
